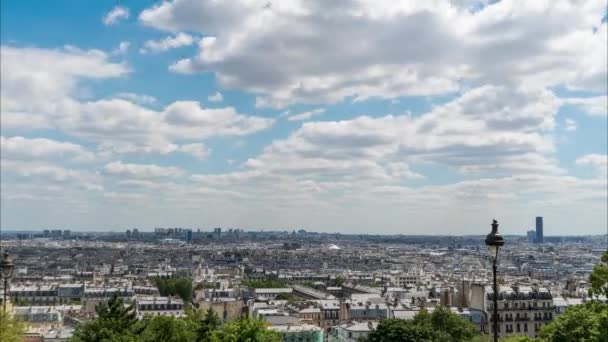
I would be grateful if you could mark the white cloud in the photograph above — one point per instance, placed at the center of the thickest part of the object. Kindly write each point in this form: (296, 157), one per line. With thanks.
(172, 42)
(596, 161)
(40, 173)
(306, 115)
(130, 170)
(122, 49)
(569, 125)
(217, 97)
(35, 82)
(594, 106)
(40, 90)
(116, 14)
(294, 51)
(197, 150)
(141, 99)
(41, 148)
(488, 131)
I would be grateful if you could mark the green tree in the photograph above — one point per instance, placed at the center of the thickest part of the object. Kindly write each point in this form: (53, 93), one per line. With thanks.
(441, 325)
(398, 330)
(264, 283)
(115, 322)
(285, 296)
(451, 326)
(167, 329)
(599, 278)
(10, 328)
(339, 281)
(181, 287)
(208, 325)
(580, 323)
(246, 330)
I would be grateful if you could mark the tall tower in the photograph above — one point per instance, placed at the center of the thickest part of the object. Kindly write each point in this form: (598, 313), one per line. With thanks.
(539, 229)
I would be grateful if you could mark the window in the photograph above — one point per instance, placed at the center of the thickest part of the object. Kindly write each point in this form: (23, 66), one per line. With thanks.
(518, 328)
(525, 327)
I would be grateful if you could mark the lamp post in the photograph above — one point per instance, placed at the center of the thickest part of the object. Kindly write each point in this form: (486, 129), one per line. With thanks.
(494, 241)
(6, 271)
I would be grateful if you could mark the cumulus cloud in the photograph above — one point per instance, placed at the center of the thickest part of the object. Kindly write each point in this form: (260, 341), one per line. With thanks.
(115, 15)
(216, 97)
(43, 94)
(488, 131)
(122, 49)
(130, 170)
(142, 99)
(197, 150)
(306, 115)
(597, 161)
(172, 42)
(37, 81)
(41, 148)
(569, 125)
(594, 106)
(294, 52)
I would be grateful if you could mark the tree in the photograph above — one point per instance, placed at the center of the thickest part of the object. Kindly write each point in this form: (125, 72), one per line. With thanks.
(439, 326)
(284, 296)
(116, 322)
(167, 329)
(339, 281)
(11, 329)
(588, 322)
(246, 330)
(208, 325)
(181, 287)
(398, 330)
(599, 278)
(264, 283)
(452, 326)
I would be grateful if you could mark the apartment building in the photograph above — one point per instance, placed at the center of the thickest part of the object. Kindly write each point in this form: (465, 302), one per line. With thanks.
(160, 306)
(522, 310)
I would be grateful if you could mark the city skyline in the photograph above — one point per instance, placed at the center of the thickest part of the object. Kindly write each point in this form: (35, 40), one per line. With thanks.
(368, 117)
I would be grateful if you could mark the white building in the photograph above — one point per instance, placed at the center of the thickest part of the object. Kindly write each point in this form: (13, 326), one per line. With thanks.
(522, 310)
(160, 306)
(271, 293)
(404, 279)
(351, 332)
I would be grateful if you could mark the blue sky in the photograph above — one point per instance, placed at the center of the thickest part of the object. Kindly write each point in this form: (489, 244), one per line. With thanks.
(368, 116)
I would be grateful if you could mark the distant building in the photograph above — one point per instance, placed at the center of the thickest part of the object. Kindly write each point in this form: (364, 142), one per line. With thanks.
(531, 236)
(189, 236)
(67, 233)
(351, 332)
(539, 230)
(404, 279)
(299, 332)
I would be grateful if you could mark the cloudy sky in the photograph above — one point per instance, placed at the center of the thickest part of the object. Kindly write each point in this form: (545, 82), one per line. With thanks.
(363, 116)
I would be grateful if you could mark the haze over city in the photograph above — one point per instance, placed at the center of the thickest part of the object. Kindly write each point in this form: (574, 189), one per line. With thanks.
(372, 117)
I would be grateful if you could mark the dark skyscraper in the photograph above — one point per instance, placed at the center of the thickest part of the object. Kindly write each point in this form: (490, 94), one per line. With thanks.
(539, 229)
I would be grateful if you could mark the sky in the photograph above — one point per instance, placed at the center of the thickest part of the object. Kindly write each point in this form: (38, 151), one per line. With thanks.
(356, 116)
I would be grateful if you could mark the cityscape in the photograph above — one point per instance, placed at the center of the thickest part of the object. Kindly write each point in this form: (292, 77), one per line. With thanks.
(304, 171)
(307, 286)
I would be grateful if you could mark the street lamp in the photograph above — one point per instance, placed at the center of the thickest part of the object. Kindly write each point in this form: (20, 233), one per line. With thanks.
(6, 272)
(494, 241)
